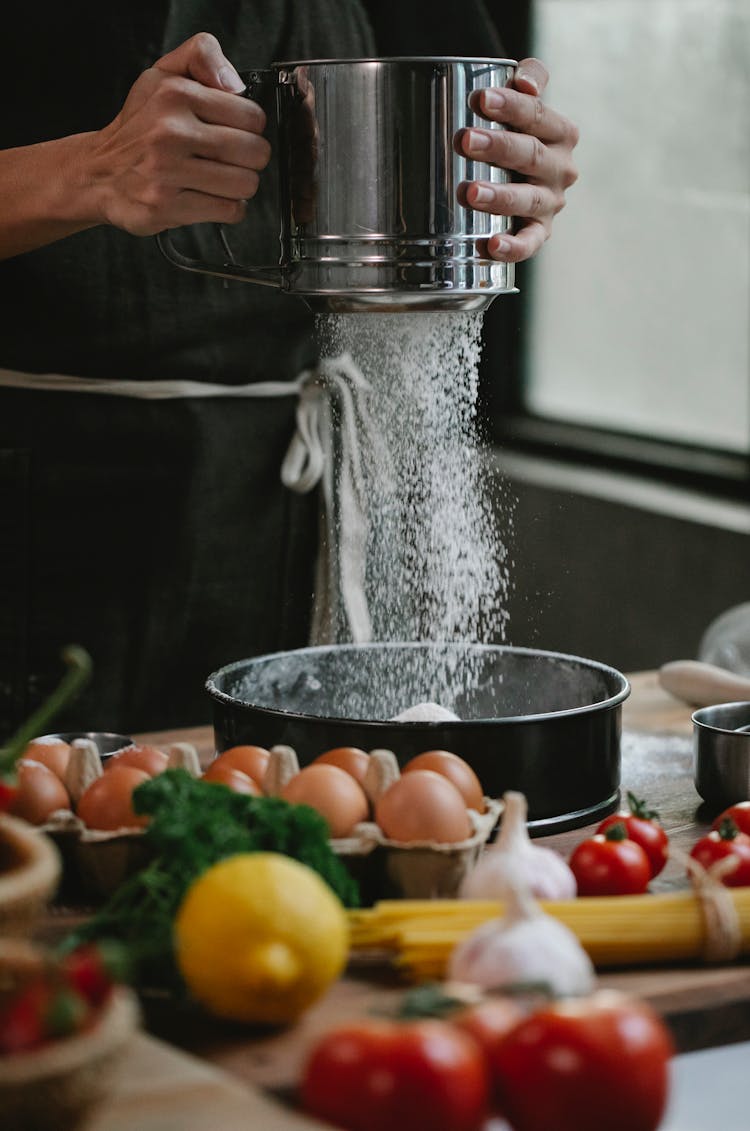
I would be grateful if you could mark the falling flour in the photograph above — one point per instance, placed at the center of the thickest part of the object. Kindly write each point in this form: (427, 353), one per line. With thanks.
(436, 564)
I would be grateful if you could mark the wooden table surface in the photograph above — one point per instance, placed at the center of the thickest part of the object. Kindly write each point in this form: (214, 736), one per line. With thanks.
(703, 1005)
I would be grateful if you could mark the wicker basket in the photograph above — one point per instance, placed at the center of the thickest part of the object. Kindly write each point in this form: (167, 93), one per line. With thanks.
(54, 1087)
(29, 874)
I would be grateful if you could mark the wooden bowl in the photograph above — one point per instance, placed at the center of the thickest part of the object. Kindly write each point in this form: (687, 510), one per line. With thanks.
(29, 874)
(54, 1087)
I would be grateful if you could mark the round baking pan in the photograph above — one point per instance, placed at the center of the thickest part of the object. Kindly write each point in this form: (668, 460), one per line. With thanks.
(540, 722)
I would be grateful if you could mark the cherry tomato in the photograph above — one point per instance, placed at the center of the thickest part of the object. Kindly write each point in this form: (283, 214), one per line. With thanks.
(397, 1076)
(726, 841)
(585, 1064)
(93, 968)
(22, 1018)
(739, 813)
(610, 864)
(642, 826)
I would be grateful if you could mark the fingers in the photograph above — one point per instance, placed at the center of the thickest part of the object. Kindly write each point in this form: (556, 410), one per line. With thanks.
(216, 109)
(522, 199)
(216, 179)
(521, 153)
(195, 207)
(232, 147)
(202, 59)
(514, 248)
(525, 114)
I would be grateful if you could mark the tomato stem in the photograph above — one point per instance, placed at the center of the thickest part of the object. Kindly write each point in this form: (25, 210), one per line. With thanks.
(618, 831)
(728, 830)
(639, 808)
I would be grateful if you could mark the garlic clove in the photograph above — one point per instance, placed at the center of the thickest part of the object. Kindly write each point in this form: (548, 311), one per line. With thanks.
(525, 946)
(514, 860)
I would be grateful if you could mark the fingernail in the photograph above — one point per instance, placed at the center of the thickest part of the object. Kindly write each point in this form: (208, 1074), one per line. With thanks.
(483, 194)
(529, 79)
(230, 80)
(501, 246)
(494, 99)
(479, 140)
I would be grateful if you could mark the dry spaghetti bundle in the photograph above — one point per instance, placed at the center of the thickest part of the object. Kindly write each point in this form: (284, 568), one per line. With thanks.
(419, 935)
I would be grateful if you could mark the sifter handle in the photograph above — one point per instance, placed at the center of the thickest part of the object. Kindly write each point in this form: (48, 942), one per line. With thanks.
(260, 85)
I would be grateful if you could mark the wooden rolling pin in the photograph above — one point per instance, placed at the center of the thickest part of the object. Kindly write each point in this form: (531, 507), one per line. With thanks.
(702, 685)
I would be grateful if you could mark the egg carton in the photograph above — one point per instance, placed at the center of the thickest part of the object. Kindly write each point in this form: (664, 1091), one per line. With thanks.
(389, 869)
(95, 862)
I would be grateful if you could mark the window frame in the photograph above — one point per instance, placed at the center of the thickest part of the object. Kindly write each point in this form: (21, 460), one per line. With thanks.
(511, 424)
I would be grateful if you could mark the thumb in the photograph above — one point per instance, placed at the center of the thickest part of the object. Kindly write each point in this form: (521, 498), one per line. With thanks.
(202, 59)
(531, 76)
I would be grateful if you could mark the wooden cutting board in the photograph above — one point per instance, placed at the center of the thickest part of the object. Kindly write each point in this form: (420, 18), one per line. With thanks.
(160, 1089)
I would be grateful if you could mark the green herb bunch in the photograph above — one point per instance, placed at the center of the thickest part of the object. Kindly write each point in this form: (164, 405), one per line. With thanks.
(193, 825)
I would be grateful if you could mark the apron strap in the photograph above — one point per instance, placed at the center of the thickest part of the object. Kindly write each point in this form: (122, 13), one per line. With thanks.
(331, 415)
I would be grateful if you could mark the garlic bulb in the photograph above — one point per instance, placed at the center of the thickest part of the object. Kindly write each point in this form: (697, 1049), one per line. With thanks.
(513, 860)
(526, 946)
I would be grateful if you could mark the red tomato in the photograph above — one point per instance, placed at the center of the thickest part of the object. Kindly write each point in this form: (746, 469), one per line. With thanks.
(610, 864)
(642, 826)
(739, 813)
(397, 1076)
(719, 844)
(585, 1064)
(489, 1023)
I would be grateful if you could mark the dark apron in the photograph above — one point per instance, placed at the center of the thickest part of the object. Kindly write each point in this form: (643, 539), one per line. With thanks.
(155, 533)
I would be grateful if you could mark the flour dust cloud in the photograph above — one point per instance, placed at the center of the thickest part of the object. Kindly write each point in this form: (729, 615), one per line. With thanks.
(437, 565)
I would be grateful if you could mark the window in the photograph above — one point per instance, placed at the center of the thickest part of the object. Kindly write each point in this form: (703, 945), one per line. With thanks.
(635, 314)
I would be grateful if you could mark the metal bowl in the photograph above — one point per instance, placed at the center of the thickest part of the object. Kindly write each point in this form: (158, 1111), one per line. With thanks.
(721, 750)
(543, 723)
(105, 742)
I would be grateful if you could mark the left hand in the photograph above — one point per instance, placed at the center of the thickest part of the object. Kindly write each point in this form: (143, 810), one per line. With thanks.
(537, 145)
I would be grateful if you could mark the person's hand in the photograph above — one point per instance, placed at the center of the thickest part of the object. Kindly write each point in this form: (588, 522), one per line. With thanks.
(537, 146)
(184, 148)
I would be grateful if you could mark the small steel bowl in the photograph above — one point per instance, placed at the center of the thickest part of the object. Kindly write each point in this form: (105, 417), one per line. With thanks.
(105, 742)
(721, 748)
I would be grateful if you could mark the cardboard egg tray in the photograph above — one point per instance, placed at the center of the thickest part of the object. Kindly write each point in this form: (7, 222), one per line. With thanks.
(95, 863)
(388, 869)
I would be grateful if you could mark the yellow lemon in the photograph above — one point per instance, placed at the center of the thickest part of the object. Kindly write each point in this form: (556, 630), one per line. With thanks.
(259, 937)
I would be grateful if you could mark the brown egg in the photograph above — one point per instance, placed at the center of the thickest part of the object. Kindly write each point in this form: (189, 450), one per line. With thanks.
(423, 805)
(40, 792)
(108, 801)
(334, 793)
(456, 770)
(140, 757)
(51, 752)
(250, 760)
(234, 779)
(349, 758)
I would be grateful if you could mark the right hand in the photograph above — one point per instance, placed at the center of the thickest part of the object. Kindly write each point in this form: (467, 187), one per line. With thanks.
(184, 149)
